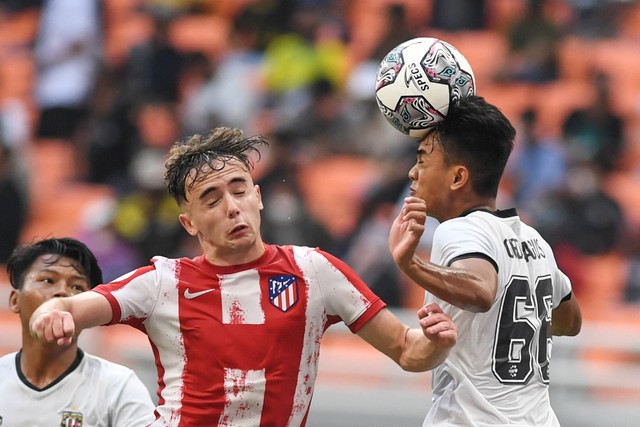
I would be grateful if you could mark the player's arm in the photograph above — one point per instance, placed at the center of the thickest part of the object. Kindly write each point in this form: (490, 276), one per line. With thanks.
(469, 283)
(59, 319)
(415, 350)
(566, 319)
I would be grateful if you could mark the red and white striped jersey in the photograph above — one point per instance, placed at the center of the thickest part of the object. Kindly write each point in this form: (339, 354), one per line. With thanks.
(239, 345)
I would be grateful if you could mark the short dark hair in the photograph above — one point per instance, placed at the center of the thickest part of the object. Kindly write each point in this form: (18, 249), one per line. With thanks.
(24, 256)
(199, 153)
(478, 135)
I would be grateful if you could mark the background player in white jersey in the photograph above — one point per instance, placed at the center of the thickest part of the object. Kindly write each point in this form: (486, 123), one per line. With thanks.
(236, 332)
(45, 384)
(493, 274)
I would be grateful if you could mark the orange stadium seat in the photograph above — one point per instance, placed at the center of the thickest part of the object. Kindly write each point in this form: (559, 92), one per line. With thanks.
(575, 58)
(207, 34)
(555, 101)
(53, 167)
(619, 58)
(16, 76)
(125, 33)
(367, 22)
(333, 188)
(501, 13)
(19, 29)
(512, 99)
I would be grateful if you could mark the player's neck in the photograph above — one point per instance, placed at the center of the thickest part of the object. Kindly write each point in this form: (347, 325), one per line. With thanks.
(480, 207)
(41, 364)
(234, 256)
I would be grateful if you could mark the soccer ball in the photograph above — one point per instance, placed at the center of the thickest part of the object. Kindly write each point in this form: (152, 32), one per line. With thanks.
(418, 80)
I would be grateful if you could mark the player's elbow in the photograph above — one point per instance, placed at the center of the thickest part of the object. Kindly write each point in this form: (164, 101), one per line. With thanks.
(422, 365)
(484, 304)
(567, 328)
(480, 304)
(566, 319)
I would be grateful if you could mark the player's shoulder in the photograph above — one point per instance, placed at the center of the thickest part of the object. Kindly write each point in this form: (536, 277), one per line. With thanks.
(106, 369)
(309, 255)
(8, 361)
(291, 250)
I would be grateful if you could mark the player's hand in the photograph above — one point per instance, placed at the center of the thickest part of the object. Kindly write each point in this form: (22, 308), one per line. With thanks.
(437, 326)
(53, 326)
(407, 230)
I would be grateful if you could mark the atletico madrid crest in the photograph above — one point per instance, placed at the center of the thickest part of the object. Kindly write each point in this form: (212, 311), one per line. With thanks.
(283, 291)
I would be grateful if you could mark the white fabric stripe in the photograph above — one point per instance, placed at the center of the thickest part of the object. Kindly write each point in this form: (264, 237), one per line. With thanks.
(290, 296)
(313, 330)
(241, 298)
(171, 350)
(238, 385)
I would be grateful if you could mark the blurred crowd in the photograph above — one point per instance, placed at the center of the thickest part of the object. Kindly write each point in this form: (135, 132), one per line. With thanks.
(119, 81)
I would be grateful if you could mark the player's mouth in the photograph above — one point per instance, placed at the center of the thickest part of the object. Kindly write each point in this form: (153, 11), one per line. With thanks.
(412, 192)
(239, 230)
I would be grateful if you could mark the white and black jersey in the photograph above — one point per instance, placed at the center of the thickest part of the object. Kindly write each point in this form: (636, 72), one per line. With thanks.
(93, 392)
(498, 372)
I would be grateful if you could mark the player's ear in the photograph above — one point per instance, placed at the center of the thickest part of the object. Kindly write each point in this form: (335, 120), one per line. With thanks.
(460, 177)
(187, 224)
(259, 195)
(14, 299)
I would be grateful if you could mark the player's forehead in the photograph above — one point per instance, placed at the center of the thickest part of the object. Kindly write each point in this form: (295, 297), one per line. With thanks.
(217, 174)
(428, 144)
(59, 264)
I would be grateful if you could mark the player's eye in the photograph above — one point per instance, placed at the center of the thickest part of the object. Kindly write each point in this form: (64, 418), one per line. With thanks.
(79, 287)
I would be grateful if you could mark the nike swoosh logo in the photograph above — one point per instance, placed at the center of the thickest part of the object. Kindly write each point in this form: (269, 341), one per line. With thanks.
(192, 295)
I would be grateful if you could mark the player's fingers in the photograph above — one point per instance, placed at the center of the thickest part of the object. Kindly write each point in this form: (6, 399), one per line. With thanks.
(414, 202)
(65, 341)
(425, 310)
(448, 337)
(415, 218)
(434, 308)
(434, 319)
(62, 326)
(68, 326)
(415, 228)
(46, 322)
(415, 208)
(439, 326)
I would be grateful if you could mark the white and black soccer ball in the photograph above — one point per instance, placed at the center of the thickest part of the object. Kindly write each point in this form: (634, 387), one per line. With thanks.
(418, 80)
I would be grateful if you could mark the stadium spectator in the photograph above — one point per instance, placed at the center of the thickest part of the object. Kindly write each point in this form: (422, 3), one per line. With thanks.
(47, 384)
(14, 202)
(68, 53)
(154, 67)
(595, 133)
(533, 40)
(538, 164)
(236, 331)
(237, 77)
(459, 15)
(493, 273)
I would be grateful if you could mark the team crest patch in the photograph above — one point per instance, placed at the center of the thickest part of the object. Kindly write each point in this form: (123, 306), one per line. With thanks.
(71, 419)
(283, 291)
